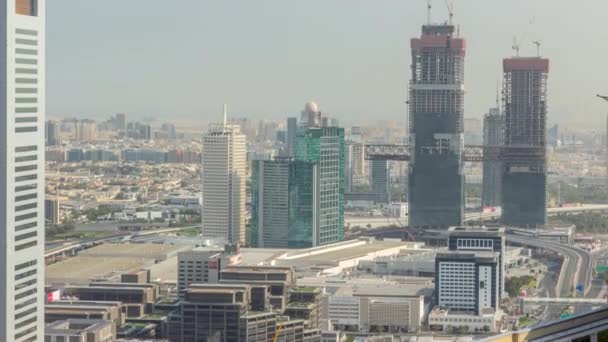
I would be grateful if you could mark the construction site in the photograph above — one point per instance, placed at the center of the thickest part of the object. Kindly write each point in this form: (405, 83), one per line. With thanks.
(436, 181)
(524, 179)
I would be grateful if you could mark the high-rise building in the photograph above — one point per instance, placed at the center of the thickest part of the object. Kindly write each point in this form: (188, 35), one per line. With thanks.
(355, 134)
(436, 103)
(22, 118)
(169, 130)
(144, 132)
(470, 239)
(199, 266)
(553, 135)
(120, 119)
(358, 163)
(348, 166)
(52, 133)
(524, 180)
(311, 116)
(292, 128)
(325, 147)
(51, 210)
(283, 210)
(493, 125)
(467, 281)
(86, 131)
(224, 175)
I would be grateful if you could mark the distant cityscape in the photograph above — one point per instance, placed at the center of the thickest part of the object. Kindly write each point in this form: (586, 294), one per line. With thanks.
(439, 227)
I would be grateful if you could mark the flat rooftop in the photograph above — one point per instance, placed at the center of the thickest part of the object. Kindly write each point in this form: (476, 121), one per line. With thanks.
(81, 270)
(132, 250)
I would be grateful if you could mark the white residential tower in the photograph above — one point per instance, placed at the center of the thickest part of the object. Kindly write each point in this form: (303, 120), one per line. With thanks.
(22, 120)
(224, 175)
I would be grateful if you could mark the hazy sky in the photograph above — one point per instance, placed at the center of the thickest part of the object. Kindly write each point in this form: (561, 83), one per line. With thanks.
(266, 58)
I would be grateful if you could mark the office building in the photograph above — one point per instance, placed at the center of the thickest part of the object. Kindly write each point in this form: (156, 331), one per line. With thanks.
(198, 266)
(22, 119)
(467, 281)
(436, 102)
(472, 239)
(59, 310)
(232, 304)
(325, 147)
(553, 136)
(80, 330)
(283, 209)
(52, 133)
(280, 280)
(524, 156)
(120, 120)
(493, 126)
(355, 134)
(51, 210)
(224, 175)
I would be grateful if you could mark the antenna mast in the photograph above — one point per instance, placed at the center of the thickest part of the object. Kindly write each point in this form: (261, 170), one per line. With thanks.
(515, 46)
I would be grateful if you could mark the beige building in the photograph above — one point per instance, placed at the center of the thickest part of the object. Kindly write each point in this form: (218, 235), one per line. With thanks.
(224, 175)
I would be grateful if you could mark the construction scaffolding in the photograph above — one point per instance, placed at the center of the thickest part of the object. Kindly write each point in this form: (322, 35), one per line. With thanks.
(436, 103)
(524, 154)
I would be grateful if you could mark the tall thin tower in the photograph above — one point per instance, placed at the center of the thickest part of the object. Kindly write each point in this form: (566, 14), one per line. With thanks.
(436, 195)
(22, 94)
(524, 156)
(224, 173)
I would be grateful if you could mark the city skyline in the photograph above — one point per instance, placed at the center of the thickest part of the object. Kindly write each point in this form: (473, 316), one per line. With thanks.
(225, 51)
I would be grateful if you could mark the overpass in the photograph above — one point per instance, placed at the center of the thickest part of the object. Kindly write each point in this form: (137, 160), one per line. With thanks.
(376, 222)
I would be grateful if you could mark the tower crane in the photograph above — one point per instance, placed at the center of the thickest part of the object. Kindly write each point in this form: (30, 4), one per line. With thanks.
(450, 5)
(537, 43)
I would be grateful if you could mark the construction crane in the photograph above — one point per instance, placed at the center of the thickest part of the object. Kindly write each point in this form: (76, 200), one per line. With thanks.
(429, 7)
(450, 5)
(537, 43)
(515, 46)
(278, 332)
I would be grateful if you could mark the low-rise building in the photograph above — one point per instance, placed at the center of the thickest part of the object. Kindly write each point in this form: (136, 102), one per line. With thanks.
(442, 319)
(80, 330)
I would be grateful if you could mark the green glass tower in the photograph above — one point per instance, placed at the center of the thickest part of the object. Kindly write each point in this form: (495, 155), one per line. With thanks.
(325, 146)
(283, 210)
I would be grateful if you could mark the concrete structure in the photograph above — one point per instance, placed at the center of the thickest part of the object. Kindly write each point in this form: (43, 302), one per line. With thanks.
(436, 102)
(467, 282)
(80, 330)
(493, 136)
(358, 161)
(524, 181)
(279, 280)
(284, 209)
(457, 322)
(325, 147)
(472, 239)
(22, 118)
(224, 176)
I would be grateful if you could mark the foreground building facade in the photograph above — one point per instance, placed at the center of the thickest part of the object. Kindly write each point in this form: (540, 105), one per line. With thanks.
(22, 110)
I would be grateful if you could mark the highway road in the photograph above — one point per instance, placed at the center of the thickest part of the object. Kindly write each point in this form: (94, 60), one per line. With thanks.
(577, 263)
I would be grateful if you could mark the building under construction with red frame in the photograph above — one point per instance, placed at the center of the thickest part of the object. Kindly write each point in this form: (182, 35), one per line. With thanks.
(436, 103)
(524, 181)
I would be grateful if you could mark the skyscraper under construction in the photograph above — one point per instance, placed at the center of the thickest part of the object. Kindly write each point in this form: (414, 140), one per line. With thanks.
(436, 196)
(524, 153)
